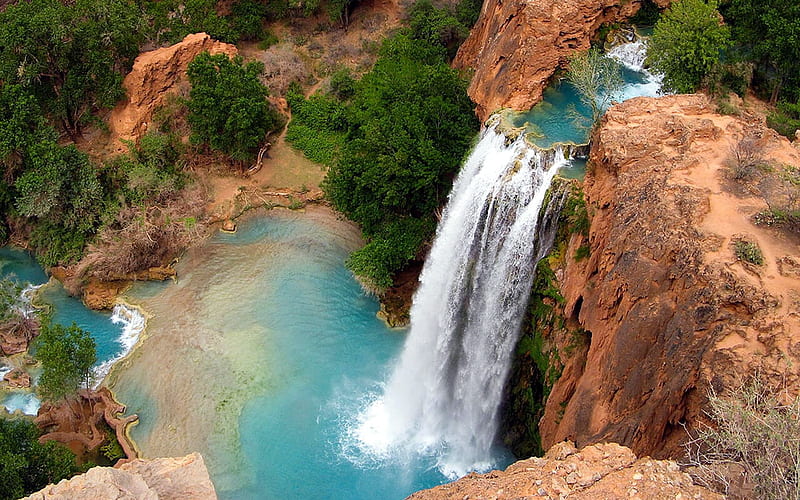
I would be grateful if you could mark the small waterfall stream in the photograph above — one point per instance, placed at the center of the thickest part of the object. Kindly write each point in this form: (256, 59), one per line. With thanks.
(444, 394)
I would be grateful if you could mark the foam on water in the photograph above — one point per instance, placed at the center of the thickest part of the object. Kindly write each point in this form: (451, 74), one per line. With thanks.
(133, 324)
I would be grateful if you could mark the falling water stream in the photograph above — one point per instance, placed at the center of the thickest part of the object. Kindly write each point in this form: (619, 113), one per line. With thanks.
(267, 357)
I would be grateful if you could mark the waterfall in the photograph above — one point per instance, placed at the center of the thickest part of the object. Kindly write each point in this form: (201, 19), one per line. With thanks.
(443, 396)
(133, 324)
(631, 54)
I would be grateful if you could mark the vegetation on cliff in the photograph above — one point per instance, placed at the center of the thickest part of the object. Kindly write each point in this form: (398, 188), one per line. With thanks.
(227, 104)
(395, 145)
(538, 362)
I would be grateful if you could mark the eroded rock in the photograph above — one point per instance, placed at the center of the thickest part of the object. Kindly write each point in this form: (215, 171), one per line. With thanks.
(516, 46)
(605, 471)
(155, 76)
(184, 478)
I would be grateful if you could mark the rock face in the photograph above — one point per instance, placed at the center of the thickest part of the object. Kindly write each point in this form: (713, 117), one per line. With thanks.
(517, 45)
(82, 425)
(155, 76)
(670, 310)
(17, 378)
(604, 471)
(184, 478)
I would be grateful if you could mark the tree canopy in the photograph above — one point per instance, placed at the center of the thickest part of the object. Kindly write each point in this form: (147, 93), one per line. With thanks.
(227, 104)
(70, 56)
(67, 355)
(686, 43)
(770, 30)
(597, 78)
(26, 465)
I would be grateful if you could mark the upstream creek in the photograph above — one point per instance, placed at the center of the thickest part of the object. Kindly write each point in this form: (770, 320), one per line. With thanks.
(265, 353)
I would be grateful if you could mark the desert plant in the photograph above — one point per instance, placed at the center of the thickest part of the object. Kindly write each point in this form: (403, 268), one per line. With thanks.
(757, 430)
(746, 156)
(748, 251)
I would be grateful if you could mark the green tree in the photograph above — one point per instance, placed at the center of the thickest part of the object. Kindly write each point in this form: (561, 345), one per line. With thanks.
(67, 355)
(597, 78)
(687, 42)
(770, 31)
(26, 465)
(228, 109)
(411, 125)
(70, 55)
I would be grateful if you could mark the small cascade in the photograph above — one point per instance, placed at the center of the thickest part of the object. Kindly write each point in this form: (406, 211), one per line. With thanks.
(632, 55)
(133, 323)
(443, 398)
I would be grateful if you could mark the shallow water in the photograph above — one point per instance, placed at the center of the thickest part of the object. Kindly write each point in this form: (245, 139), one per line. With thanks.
(23, 268)
(265, 353)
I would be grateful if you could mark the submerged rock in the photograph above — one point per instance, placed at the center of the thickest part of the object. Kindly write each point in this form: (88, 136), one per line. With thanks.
(604, 471)
(184, 478)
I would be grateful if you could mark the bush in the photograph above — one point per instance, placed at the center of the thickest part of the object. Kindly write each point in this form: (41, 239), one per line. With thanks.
(686, 43)
(343, 86)
(388, 251)
(26, 465)
(748, 252)
(227, 104)
(746, 157)
(785, 119)
(757, 430)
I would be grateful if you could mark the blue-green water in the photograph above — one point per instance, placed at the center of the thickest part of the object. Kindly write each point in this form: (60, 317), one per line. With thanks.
(266, 352)
(23, 268)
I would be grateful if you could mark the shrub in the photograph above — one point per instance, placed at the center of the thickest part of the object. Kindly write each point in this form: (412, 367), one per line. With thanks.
(389, 250)
(748, 251)
(785, 119)
(757, 430)
(26, 465)
(686, 43)
(746, 156)
(343, 86)
(227, 104)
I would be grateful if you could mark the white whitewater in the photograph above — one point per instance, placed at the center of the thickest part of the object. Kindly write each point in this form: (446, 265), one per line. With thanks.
(444, 395)
(133, 323)
(633, 55)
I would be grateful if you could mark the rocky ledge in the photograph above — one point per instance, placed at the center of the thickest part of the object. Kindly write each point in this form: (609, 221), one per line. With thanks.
(184, 478)
(607, 471)
(666, 307)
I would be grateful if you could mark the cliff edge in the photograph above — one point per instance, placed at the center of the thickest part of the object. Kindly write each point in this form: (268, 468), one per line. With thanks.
(517, 45)
(670, 307)
(184, 478)
(605, 471)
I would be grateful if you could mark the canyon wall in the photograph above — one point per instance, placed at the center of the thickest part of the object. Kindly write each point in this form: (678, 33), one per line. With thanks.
(517, 45)
(666, 309)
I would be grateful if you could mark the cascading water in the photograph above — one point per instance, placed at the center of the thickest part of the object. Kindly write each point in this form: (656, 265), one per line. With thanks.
(444, 394)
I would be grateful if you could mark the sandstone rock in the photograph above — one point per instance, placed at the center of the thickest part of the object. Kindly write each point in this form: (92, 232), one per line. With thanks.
(81, 424)
(229, 226)
(100, 295)
(183, 478)
(671, 311)
(156, 75)
(607, 471)
(17, 378)
(516, 46)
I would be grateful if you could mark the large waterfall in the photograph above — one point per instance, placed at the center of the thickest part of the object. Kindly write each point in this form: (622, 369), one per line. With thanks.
(443, 396)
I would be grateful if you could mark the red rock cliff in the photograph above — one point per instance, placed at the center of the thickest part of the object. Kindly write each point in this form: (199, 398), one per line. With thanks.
(517, 45)
(671, 310)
